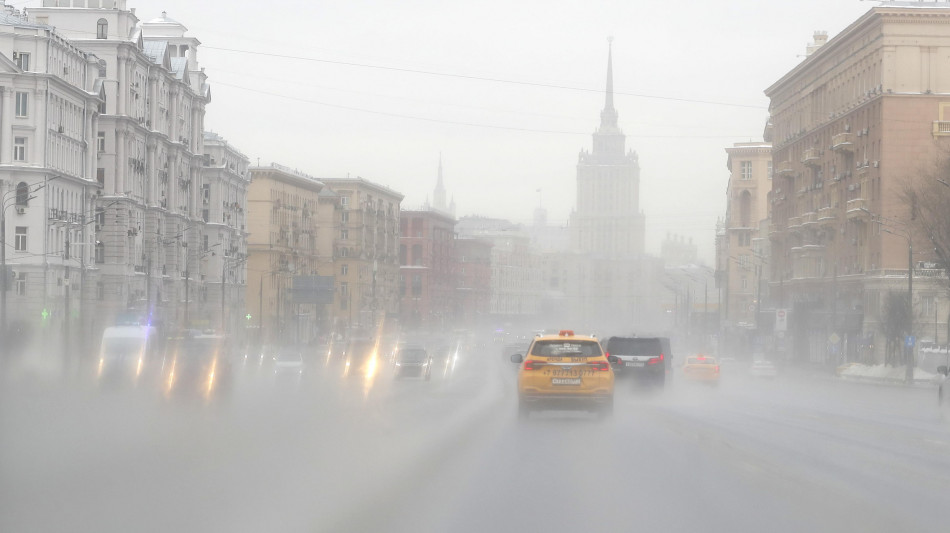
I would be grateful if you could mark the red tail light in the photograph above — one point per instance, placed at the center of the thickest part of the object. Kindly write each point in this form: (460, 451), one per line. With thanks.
(606, 354)
(601, 366)
(533, 365)
(717, 369)
(655, 360)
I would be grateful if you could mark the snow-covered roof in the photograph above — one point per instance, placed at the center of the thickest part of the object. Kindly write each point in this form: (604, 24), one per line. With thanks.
(155, 50)
(179, 65)
(15, 19)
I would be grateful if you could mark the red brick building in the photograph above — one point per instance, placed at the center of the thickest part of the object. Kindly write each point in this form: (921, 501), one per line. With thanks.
(427, 270)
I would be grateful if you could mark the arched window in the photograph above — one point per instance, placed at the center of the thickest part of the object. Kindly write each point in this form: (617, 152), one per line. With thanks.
(22, 194)
(102, 29)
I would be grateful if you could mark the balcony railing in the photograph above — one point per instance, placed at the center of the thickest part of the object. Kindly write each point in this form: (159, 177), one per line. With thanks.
(941, 128)
(809, 219)
(794, 222)
(857, 208)
(811, 157)
(785, 168)
(843, 142)
(827, 215)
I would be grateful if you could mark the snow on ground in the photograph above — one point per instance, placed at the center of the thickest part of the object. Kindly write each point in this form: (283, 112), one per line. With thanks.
(884, 373)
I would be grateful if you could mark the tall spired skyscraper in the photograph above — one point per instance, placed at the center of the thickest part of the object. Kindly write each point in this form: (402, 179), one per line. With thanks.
(607, 220)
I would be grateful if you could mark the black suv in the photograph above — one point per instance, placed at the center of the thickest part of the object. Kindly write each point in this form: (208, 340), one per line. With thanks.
(647, 358)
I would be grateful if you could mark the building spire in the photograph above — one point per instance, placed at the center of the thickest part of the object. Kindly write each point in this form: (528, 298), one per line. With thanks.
(608, 117)
(439, 193)
(609, 102)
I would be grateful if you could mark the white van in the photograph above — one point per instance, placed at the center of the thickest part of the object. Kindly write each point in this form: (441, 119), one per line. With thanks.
(125, 351)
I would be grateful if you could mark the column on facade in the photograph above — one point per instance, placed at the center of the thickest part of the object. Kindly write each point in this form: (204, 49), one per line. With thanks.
(153, 100)
(120, 157)
(151, 173)
(122, 89)
(173, 132)
(92, 144)
(36, 154)
(6, 127)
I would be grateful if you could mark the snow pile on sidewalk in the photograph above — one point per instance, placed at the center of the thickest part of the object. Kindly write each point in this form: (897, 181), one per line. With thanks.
(884, 373)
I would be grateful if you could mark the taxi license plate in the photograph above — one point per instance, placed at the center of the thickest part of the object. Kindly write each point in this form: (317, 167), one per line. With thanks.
(565, 381)
(634, 363)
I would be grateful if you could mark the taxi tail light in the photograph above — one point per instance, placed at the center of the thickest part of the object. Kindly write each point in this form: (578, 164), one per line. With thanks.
(533, 365)
(600, 365)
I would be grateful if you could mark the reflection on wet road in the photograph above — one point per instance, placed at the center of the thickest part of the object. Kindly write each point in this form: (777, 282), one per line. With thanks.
(311, 450)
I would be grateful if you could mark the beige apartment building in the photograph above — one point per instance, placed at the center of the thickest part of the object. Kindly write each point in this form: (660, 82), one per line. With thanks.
(739, 265)
(290, 278)
(849, 125)
(365, 256)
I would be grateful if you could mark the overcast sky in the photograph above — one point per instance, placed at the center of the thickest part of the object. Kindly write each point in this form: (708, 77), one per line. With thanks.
(295, 82)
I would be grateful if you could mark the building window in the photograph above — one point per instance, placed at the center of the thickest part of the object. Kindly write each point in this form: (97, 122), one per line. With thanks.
(101, 176)
(745, 283)
(102, 68)
(102, 29)
(417, 285)
(344, 217)
(22, 104)
(21, 284)
(344, 270)
(101, 141)
(344, 234)
(100, 291)
(344, 201)
(746, 170)
(102, 105)
(22, 194)
(19, 148)
(22, 60)
(344, 252)
(770, 169)
(20, 241)
(100, 252)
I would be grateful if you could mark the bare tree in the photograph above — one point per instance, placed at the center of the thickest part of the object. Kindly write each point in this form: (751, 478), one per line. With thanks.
(895, 323)
(929, 199)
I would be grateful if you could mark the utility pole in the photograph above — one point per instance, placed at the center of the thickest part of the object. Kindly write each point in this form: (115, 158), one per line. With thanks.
(223, 287)
(909, 375)
(260, 312)
(186, 289)
(67, 362)
(3, 265)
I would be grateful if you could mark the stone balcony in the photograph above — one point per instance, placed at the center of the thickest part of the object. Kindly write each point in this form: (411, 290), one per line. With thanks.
(843, 142)
(857, 208)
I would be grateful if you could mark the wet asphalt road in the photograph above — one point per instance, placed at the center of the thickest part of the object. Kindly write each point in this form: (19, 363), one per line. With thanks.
(324, 453)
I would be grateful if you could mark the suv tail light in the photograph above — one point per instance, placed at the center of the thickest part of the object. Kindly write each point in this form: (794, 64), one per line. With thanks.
(533, 365)
(655, 360)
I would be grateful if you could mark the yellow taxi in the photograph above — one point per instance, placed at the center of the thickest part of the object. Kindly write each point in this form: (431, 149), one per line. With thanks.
(701, 368)
(565, 371)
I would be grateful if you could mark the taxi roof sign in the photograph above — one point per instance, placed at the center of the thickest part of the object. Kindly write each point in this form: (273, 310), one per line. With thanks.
(565, 333)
